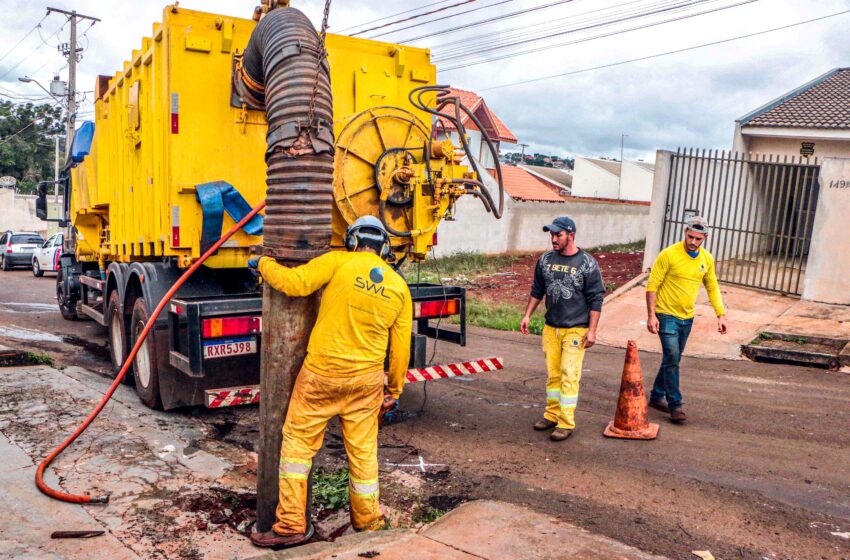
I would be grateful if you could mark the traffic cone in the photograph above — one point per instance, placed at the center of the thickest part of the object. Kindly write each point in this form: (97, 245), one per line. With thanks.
(630, 420)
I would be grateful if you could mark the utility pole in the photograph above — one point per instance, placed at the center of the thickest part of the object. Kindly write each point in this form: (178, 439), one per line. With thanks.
(56, 171)
(620, 176)
(522, 157)
(71, 52)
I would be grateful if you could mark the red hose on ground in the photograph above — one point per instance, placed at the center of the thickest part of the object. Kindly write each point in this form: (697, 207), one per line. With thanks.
(39, 473)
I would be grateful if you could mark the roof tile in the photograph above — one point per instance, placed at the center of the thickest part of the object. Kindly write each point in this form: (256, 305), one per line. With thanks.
(825, 104)
(522, 185)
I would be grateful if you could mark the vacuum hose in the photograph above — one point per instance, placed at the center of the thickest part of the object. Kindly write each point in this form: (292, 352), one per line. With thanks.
(87, 499)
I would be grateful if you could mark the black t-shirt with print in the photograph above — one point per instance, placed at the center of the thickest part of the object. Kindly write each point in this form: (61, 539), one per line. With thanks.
(572, 285)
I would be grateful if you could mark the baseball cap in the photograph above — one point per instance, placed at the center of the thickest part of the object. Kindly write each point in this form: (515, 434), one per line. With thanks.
(564, 223)
(697, 224)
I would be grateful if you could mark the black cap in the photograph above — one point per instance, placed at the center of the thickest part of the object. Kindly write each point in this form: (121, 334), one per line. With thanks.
(564, 223)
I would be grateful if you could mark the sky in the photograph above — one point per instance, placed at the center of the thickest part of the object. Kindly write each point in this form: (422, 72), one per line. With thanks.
(688, 99)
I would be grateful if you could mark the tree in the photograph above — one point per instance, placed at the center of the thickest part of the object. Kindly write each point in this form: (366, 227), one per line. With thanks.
(27, 142)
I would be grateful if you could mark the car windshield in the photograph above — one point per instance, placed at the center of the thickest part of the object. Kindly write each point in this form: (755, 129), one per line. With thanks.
(21, 239)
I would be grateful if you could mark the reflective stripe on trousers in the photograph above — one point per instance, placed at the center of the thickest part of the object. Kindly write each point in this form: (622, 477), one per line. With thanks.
(564, 358)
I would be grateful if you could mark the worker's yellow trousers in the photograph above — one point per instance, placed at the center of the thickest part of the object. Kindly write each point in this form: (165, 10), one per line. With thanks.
(564, 356)
(315, 400)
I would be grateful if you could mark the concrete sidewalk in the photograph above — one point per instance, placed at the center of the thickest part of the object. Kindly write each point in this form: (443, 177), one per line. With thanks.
(748, 313)
(476, 530)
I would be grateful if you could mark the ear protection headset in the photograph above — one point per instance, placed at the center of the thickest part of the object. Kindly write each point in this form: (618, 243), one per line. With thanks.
(367, 227)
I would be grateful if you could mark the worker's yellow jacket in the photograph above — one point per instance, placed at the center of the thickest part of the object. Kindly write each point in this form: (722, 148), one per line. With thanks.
(676, 276)
(365, 305)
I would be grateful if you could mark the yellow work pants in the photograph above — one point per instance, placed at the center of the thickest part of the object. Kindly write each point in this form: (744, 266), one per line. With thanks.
(564, 355)
(315, 400)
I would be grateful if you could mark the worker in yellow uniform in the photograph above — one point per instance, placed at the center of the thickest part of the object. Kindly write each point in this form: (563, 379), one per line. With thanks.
(366, 307)
(671, 294)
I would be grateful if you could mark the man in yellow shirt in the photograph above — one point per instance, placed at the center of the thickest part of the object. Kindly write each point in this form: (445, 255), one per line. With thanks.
(671, 294)
(366, 306)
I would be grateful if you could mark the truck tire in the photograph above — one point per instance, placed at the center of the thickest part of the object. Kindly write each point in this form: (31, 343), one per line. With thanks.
(67, 308)
(36, 270)
(116, 326)
(145, 372)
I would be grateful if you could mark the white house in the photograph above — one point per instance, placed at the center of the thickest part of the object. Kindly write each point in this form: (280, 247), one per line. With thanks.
(609, 179)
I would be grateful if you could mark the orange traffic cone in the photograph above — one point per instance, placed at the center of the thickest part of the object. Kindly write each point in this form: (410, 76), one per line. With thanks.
(630, 419)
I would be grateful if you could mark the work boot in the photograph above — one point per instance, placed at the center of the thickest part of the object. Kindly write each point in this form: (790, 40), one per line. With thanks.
(678, 416)
(544, 424)
(659, 405)
(380, 524)
(560, 434)
(270, 539)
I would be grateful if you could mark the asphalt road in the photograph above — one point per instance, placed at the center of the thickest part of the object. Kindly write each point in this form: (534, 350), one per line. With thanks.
(762, 470)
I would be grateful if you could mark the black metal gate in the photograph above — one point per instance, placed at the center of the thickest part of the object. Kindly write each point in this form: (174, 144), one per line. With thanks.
(761, 210)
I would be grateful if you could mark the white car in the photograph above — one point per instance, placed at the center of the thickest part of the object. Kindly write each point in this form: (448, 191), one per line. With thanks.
(46, 257)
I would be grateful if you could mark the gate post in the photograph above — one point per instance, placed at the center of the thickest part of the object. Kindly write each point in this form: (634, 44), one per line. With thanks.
(657, 207)
(828, 268)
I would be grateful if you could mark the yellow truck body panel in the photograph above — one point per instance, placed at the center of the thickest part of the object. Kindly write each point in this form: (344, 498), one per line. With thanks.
(165, 124)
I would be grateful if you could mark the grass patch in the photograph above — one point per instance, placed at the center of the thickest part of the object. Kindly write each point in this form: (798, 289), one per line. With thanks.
(427, 514)
(40, 359)
(500, 316)
(330, 489)
(458, 264)
(636, 247)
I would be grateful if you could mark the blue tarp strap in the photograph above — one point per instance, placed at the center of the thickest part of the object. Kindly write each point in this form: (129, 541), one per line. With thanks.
(219, 197)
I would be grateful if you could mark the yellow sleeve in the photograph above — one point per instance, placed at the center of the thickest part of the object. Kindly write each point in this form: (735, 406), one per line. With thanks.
(713, 289)
(301, 280)
(400, 347)
(658, 272)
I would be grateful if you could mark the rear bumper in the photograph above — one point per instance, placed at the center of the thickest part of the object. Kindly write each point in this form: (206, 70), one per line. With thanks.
(18, 259)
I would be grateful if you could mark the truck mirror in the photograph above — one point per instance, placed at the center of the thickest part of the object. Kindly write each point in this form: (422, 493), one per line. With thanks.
(41, 204)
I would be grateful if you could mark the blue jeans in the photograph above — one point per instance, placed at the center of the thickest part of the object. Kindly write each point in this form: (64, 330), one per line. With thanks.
(673, 333)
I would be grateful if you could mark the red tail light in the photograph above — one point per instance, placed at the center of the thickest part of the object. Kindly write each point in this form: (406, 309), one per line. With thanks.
(231, 326)
(8, 247)
(440, 308)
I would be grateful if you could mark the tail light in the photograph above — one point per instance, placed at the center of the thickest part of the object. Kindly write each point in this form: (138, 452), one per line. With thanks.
(439, 308)
(9, 247)
(231, 326)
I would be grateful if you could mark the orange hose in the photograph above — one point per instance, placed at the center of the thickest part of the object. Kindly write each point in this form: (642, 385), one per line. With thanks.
(39, 473)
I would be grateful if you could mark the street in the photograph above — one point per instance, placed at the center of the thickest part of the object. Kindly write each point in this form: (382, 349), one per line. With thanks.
(760, 471)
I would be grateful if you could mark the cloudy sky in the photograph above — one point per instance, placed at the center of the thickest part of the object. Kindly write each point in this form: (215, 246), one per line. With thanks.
(686, 99)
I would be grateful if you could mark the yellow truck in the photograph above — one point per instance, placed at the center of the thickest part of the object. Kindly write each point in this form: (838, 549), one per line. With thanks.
(177, 153)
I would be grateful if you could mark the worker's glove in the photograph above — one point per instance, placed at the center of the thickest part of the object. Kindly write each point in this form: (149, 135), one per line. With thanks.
(389, 408)
(253, 266)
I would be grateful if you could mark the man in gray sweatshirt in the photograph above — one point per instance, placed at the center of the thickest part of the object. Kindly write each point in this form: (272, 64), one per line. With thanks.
(571, 281)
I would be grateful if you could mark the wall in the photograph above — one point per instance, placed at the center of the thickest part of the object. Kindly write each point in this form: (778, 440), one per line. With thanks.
(791, 147)
(828, 268)
(591, 181)
(636, 182)
(521, 227)
(18, 213)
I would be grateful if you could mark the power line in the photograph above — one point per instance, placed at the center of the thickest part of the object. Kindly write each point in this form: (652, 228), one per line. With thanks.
(444, 8)
(28, 33)
(591, 38)
(31, 52)
(667, 53)
(32, 122)
(392, 15)
(476, 23)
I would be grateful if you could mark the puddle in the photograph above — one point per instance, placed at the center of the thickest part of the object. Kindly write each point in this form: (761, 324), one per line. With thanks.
(13, 307)
(21, 333)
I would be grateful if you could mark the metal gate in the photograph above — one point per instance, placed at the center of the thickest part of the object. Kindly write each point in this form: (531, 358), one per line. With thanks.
(761, 210)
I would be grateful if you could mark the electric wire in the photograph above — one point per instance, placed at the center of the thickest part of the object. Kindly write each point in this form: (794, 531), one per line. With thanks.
(417, 16)
(594, 37)
(393, 15)
(6, 73)
(667, 53)
(476, 23)
(569, 24)
(22, 39)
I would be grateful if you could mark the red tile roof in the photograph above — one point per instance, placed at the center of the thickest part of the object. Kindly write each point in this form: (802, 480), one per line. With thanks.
(822, 103)
(476, 104)
(522, 185)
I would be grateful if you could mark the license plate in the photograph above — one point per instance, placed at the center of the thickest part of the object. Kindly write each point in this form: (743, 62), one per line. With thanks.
(224, 348)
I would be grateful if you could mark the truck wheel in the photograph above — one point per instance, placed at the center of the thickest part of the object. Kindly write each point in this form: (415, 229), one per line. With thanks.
(67, 308)
(36, 270)
(117, 328)
(145, 370)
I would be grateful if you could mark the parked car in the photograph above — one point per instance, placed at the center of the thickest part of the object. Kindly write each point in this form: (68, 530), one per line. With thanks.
(46, 258)
(17, 247)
